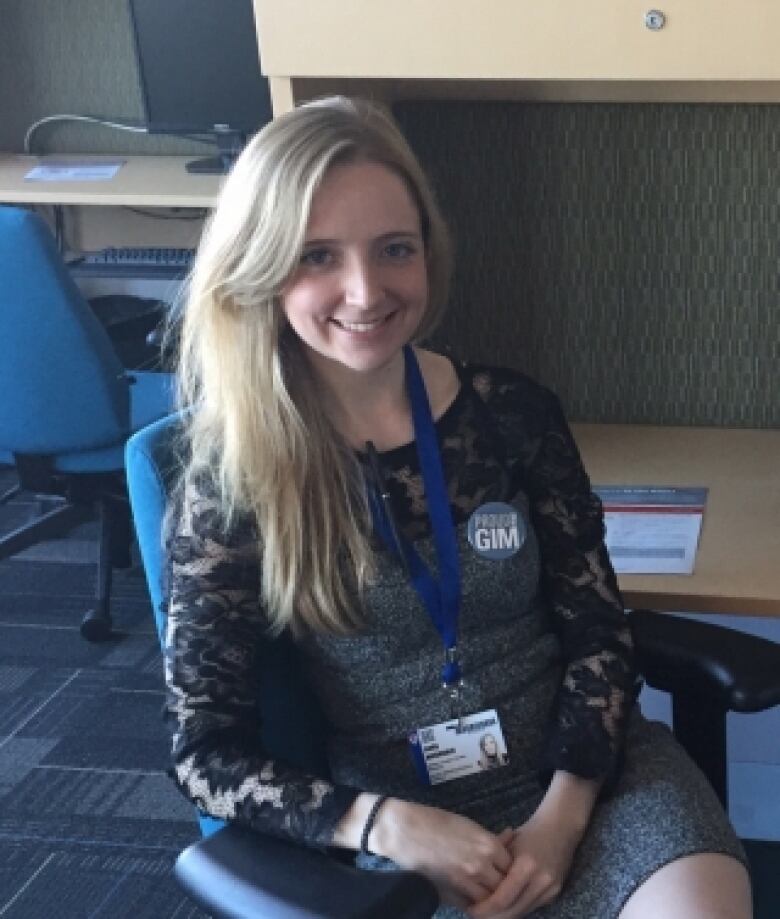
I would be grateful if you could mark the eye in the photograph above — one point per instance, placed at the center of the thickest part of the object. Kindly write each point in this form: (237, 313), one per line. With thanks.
(316, 258)
(399, 250)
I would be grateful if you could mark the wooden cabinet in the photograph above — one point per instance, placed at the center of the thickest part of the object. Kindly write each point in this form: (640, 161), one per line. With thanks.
(518, 49)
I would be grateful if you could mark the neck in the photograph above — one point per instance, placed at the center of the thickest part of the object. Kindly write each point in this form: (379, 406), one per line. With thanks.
(368, 406)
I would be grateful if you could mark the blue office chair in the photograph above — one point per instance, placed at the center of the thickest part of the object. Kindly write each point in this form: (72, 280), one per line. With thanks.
(243, 873)
(237, 873)
(68, 406)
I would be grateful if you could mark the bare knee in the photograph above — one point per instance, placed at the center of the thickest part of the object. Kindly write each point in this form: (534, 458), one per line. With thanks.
(703, 886)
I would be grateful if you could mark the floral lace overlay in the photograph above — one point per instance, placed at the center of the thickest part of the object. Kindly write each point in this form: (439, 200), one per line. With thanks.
(502, 434)
(505, 433)
(212, 676)
(600, 682)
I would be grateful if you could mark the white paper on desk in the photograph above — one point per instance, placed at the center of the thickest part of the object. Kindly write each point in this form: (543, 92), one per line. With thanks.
(74, 172)
(652, 530)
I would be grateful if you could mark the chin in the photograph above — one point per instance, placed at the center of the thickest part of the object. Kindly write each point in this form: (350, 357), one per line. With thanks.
(369, 363)
(367, 357)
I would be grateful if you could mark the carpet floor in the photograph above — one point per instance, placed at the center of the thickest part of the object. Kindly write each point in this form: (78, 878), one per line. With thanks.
(90, 825)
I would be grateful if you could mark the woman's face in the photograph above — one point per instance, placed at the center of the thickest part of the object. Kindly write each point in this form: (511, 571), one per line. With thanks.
(361, 287)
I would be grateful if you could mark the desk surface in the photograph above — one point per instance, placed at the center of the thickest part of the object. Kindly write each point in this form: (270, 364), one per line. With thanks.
(738, 562)
(150, 181)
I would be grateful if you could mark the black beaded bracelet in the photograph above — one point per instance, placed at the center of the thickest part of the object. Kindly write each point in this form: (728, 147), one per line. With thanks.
(368, 826)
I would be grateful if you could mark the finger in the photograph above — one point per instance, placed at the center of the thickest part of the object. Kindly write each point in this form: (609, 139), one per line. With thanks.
(540, 891)
(502, 857)
(480, 870)
(490, 878)
(506, 836)
(505, 895)
(472, 890)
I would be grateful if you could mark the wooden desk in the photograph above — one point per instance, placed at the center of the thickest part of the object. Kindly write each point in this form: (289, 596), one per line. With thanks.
(145, 181)
(738, 563)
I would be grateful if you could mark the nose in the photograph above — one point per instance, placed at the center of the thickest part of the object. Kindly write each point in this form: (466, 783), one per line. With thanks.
(362, 282)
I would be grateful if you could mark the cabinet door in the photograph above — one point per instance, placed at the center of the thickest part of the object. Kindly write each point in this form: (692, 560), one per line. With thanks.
(722, 40)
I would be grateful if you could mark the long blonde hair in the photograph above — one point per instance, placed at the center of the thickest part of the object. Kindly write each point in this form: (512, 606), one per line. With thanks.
(256, 427)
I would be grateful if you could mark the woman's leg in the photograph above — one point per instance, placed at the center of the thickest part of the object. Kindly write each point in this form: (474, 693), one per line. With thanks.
(704, 886)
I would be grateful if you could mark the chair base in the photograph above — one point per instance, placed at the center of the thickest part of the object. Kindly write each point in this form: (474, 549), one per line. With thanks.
(11, 493)
(51, 525)
(96, 625)
(113, 546)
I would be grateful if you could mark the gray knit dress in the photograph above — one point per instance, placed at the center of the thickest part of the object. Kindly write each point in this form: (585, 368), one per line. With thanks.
(543, 640)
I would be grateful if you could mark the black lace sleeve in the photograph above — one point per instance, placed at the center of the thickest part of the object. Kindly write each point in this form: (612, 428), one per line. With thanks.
(211, 667)
(600, 684)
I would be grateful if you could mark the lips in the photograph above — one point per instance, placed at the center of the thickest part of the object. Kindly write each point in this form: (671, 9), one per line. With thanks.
(361, 326)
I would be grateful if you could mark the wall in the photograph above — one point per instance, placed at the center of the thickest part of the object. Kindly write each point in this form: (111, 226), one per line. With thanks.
(627, 255)
(75, 57)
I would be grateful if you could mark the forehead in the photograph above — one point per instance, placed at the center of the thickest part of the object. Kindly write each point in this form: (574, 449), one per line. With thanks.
(362, 199)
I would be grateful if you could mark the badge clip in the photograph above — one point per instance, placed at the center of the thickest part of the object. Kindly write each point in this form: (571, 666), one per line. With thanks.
(453, 682)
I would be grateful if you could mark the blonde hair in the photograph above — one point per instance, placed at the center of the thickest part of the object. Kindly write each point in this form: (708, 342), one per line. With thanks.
(257, 428)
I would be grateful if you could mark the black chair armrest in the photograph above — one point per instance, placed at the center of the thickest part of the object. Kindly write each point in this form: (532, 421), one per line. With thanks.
(241, 874)
(681, 655)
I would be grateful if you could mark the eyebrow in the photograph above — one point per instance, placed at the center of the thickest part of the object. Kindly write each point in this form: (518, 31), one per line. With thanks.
(409, 234)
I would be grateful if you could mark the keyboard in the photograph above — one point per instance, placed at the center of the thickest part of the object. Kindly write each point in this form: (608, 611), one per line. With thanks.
(133, 262)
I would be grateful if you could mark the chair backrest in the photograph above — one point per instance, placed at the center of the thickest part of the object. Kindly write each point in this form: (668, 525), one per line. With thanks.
(292, 725)
(63, 386)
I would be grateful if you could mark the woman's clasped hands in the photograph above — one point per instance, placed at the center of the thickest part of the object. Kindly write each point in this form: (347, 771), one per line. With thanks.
(488, 875)
(464, 861)
(542, 854)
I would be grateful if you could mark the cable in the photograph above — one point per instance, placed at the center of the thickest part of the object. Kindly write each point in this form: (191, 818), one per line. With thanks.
(122, 126)
(119, 125)
(189, 213)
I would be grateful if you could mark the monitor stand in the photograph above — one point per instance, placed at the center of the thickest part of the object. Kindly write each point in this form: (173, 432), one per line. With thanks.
(230, 144)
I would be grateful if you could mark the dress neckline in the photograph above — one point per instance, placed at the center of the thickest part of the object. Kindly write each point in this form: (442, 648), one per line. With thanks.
(443, 423)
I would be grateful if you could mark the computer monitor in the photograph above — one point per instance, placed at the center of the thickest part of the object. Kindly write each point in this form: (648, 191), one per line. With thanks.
(199, 68)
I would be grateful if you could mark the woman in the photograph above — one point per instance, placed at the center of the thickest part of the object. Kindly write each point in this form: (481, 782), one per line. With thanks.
(490, 756)
(413, 524)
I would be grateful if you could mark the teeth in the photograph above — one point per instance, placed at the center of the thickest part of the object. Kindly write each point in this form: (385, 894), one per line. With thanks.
(359, 326)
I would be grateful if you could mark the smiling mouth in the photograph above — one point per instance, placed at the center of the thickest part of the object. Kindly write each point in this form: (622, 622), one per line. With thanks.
(362, 326)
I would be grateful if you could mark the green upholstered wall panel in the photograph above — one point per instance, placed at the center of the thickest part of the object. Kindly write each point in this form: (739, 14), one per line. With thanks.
(627, 255)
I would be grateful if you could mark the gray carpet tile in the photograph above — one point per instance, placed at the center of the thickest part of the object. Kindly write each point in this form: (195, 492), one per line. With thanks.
(90, 824)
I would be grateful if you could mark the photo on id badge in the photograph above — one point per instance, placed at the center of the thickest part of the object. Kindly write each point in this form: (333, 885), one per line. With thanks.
(491, 755)
(459, 747)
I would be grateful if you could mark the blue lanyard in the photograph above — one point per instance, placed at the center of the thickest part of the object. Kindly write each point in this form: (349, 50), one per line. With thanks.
(441, 596)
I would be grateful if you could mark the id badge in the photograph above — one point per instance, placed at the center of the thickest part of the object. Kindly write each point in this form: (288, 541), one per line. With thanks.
(462, 746)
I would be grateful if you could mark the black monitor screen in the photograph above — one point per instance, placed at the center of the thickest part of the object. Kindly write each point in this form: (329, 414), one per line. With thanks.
(199, 66)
